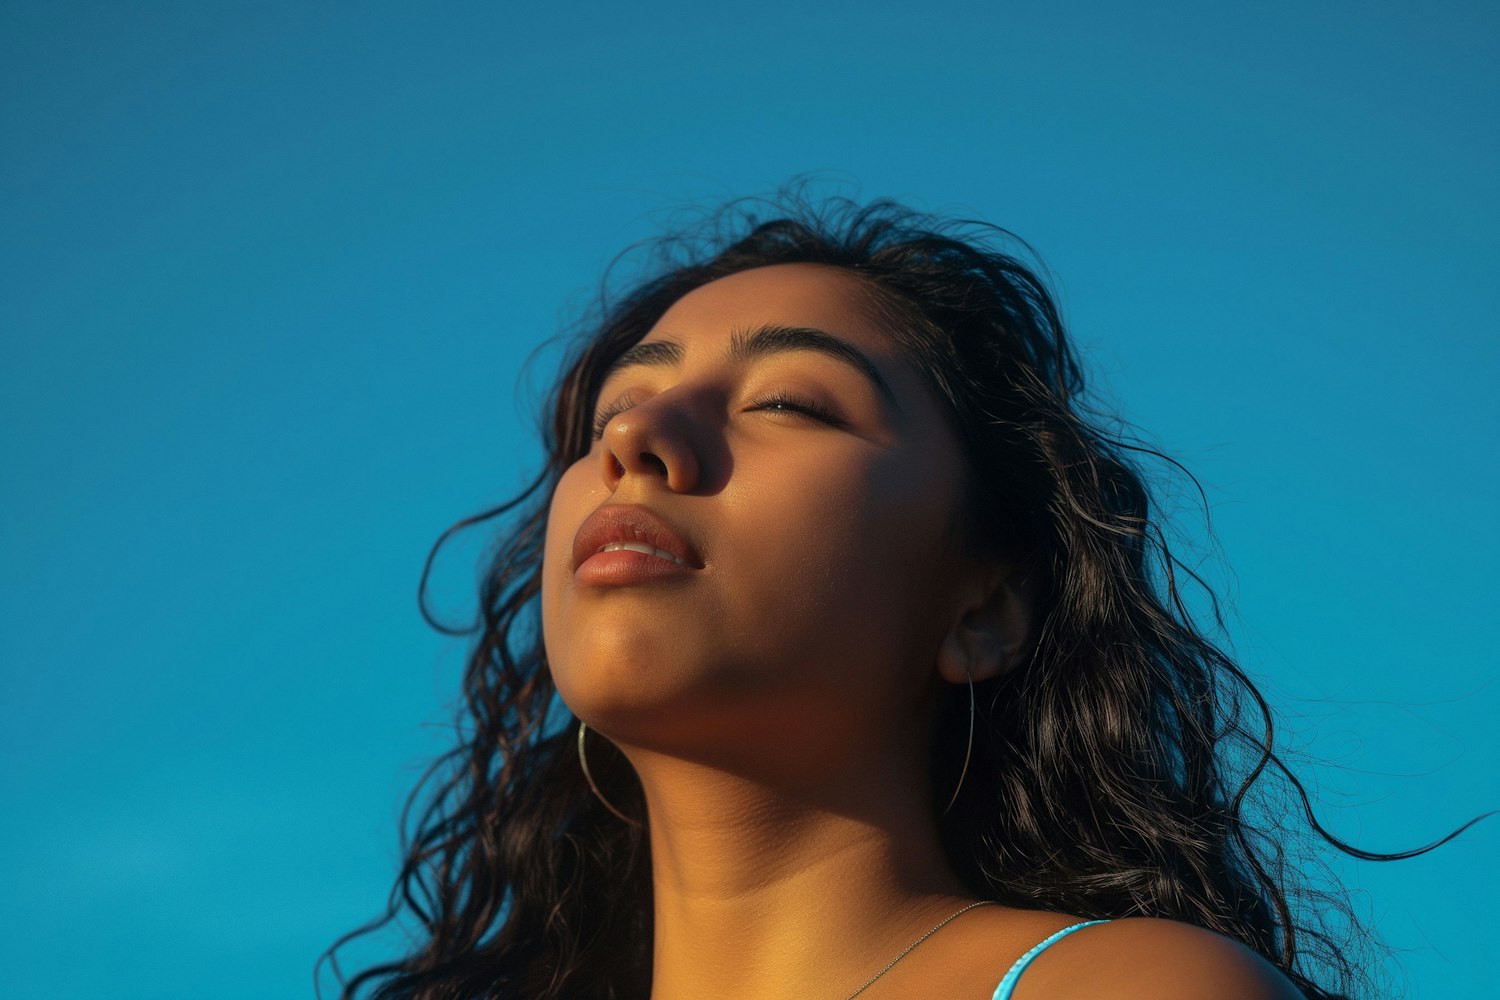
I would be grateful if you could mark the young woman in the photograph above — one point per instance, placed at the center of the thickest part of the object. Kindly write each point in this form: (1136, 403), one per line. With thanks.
(838, 653)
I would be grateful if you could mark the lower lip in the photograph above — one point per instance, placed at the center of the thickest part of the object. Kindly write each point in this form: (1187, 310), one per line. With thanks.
(622, 568)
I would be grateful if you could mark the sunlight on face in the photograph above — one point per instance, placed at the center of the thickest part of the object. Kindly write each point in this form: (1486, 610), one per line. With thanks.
(774, 491)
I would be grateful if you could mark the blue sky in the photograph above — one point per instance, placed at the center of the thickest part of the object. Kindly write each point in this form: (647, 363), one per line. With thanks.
(269, 273)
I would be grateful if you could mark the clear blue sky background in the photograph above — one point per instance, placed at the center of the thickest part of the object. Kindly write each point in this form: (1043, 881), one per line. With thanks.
(268, 273)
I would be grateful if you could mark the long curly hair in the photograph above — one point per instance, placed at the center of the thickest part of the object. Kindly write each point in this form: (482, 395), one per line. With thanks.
(1115, 772)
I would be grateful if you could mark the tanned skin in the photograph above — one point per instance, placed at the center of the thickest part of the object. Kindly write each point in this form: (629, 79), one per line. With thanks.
(776, 692)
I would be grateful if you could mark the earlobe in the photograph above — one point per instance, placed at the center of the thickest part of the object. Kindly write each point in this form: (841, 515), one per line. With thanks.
(989, 634)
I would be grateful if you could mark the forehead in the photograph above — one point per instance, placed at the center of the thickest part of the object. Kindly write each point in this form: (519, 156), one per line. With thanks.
(804, 295)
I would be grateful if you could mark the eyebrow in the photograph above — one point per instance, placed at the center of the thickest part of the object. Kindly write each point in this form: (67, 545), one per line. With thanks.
(763, 341)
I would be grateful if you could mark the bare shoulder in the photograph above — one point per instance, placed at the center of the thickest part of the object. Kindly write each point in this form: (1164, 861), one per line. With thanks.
(1160, 959)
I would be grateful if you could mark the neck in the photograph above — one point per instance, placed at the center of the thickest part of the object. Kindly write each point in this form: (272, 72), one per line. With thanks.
(763, 894)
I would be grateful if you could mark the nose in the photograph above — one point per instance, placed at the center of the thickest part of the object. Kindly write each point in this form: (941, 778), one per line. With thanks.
(654, 440)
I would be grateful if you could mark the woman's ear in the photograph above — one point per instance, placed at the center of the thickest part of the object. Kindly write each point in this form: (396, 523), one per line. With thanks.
(989, 632)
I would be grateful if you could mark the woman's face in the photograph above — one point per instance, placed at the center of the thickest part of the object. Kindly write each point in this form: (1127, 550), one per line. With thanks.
(759, 546)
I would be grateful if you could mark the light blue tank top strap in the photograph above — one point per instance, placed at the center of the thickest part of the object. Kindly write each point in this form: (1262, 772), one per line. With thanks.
(1008, 984)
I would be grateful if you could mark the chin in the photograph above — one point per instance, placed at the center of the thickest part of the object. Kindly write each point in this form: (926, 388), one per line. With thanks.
(614, 684)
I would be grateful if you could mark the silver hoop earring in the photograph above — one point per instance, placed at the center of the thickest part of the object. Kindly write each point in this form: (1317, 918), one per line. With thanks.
(583, 762)
(968, 750)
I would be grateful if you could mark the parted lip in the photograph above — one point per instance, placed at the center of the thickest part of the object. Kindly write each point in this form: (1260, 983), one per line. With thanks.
(618, 522)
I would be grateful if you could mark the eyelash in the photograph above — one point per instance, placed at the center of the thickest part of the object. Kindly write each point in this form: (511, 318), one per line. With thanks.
(608, 413)
(778, 401)
(788, 403)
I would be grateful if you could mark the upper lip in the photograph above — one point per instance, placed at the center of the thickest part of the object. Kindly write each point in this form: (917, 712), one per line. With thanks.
(617, 522)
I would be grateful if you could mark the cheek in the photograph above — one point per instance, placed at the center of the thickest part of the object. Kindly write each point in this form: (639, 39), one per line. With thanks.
(851, 544)
(572, 501)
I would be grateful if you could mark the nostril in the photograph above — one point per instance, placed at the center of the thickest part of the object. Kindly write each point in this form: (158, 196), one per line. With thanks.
(656, 464)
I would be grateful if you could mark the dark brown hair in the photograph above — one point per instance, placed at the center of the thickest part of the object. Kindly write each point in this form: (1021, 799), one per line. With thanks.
(1114, 773)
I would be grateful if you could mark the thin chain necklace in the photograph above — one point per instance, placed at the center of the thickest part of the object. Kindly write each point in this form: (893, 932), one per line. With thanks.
(912, 947)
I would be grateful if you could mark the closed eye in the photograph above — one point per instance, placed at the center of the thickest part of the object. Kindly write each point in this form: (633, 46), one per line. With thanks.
(608, 413)
(784, 403)
(779, 402)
